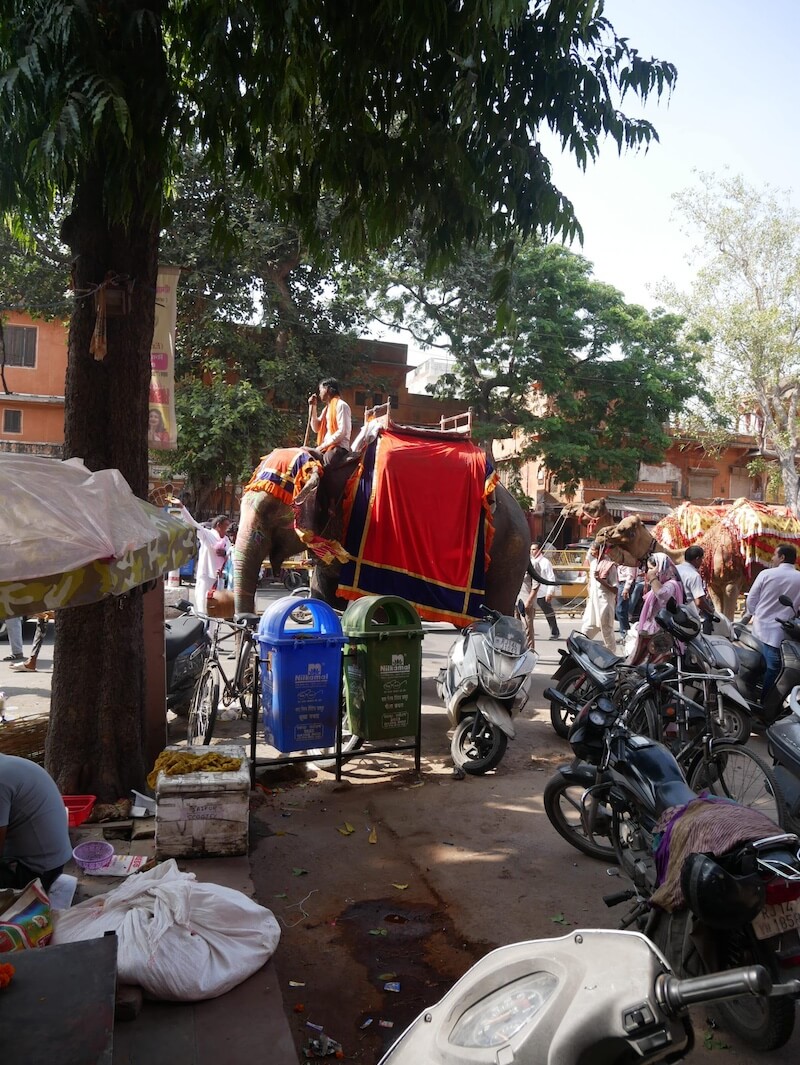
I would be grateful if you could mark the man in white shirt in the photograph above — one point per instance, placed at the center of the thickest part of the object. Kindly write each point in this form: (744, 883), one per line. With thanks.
(626, 577)
(697, 601)
(542, 595)
(334, 425)
(214, 548)
(763, 603)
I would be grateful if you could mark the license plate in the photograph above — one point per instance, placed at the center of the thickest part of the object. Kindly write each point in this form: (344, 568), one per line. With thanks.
(773, 920)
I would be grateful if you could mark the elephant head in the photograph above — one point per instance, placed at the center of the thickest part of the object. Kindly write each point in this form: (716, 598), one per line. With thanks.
(266, 531)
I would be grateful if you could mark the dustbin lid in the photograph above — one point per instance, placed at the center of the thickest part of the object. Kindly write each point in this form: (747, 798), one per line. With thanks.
(316, 619)
(375, 614)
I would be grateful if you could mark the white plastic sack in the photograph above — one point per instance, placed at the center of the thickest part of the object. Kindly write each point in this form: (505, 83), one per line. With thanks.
(178, 939)
(59, 516)
(631, 639)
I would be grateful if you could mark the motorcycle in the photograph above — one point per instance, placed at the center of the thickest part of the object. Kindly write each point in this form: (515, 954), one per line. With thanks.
(484, 685)
(704, 670)
(185, 647)
(589, 996)
(766, 709)
(739, 899)
(783, 739)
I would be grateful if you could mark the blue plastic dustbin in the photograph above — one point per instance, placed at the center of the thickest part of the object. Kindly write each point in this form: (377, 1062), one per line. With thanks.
(300, 643)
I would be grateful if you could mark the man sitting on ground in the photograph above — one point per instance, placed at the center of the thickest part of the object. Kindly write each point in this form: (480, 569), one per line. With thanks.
(34, 839)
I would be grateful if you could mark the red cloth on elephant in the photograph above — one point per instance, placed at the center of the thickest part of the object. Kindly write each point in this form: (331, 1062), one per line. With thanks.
(420, 525)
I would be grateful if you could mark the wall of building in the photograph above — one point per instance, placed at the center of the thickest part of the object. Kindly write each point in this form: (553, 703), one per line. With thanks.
(37, 392)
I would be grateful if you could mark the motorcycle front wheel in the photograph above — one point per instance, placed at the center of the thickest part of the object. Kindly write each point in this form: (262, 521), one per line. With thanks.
(588, 834)
(479, 753)
(736, 724)
(575, 684)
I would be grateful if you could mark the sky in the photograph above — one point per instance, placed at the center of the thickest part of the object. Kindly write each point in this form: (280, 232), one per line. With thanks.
(735, 105)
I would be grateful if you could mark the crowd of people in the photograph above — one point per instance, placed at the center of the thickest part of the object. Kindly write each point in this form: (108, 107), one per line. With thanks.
(634, 595)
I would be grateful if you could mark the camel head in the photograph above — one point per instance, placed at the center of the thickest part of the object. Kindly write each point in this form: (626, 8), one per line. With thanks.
(593, 514)
(629, 541)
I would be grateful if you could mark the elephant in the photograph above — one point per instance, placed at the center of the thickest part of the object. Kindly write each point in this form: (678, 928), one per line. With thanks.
(266, 531)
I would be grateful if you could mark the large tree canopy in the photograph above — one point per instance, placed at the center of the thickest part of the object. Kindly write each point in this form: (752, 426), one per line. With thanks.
(746, 299)
(256, 319)
(586, 381)
(387, 106)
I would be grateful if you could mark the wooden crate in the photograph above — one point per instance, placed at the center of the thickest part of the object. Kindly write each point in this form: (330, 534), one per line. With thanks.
(204, 815)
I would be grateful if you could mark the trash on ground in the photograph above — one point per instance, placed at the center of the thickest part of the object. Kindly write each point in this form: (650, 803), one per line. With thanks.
(121, 865)
(391, 985)
(373, 836)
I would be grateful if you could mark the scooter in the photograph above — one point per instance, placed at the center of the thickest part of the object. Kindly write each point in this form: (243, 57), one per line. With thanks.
(589, 996)
(766, 709)
(186, 648)
(484, 686)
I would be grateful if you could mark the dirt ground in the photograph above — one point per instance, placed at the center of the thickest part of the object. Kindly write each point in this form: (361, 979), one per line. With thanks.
(394, 878)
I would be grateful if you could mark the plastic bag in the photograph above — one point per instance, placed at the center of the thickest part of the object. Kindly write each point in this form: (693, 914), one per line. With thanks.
(58, 516)
(25, 918)
(178, 939)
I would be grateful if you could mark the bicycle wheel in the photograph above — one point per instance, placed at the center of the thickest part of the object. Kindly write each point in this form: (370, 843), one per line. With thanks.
(738, 773)
(644, 718)
(203, 712)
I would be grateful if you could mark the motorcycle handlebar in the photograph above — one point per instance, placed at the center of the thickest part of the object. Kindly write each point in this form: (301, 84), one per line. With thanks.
(675, 994)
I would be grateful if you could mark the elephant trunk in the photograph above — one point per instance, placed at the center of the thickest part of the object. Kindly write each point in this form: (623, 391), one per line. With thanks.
(249, 552)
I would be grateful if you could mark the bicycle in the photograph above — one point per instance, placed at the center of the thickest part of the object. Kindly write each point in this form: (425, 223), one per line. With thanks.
(699, 734)
(241, 685)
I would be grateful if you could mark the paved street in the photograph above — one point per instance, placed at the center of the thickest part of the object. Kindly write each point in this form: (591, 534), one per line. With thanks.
(456, 867)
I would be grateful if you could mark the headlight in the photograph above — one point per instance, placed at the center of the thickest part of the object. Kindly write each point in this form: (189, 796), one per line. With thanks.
(500, 1016)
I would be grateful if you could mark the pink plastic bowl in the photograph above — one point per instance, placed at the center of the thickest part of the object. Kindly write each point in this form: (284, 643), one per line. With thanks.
(94, 854)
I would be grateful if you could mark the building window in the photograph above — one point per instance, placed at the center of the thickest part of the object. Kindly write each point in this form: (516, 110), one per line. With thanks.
(361, 399)
(12, 421)
(395, 402)
(701, 485)
(20, 341)
(377, 399)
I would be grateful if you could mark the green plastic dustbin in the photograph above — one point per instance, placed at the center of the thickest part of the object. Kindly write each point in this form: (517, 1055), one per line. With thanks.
(382, 667)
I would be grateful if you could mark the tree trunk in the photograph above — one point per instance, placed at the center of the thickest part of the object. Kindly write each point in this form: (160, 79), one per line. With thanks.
(95, 740)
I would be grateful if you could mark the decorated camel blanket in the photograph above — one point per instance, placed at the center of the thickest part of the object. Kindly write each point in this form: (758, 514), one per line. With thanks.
(420, 525)
(753, 529)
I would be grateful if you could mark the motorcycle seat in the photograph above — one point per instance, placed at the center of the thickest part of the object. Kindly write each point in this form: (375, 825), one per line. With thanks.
(672, 793)
(745, 637)
(181, 633)
(596, 653)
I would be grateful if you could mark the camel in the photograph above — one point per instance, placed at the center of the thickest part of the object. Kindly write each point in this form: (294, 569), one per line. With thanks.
(594, 515)
(738, 541)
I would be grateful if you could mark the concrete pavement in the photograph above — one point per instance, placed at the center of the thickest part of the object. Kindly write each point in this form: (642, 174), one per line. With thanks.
(249, 1021)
